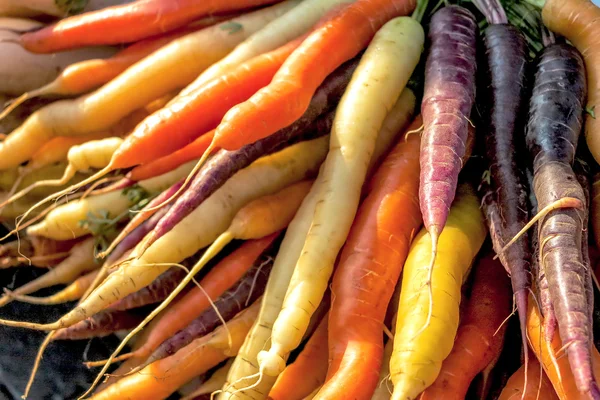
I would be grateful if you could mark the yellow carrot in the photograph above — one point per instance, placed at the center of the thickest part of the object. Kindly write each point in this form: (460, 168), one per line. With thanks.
(420, 345)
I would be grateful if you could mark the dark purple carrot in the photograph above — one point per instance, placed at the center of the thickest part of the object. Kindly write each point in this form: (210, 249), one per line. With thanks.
(249, 288)
(555, 121)
(224, 164)
(101, 324)
(448, 98)
(156, 292)
(504, 102)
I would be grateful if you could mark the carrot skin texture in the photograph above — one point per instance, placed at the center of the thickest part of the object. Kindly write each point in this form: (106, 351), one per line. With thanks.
(289, 94)
(448, 98)
(99, 325)
(417, 359)
(126, 23)
(477, 342)
(159, 380)
(307, 372)
(226, 163)
(555, 121)
(577, 21)
(368, 270)
(595, 208)
(505, 120)
(249, 288)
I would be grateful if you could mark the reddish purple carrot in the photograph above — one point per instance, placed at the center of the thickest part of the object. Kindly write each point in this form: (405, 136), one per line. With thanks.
(555, 121)
(448, 98)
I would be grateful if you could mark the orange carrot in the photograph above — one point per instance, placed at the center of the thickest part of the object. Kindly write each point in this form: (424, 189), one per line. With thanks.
(162, 378)
(127, 23)
(173, 160)
(477, 342)
(368, 270)
(535, 389)
(221, 277)
(188, 116)
(307, 372)
(287, 97)
(552, 356)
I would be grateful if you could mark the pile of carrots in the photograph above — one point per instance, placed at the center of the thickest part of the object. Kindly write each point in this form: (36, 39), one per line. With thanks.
(291, 199)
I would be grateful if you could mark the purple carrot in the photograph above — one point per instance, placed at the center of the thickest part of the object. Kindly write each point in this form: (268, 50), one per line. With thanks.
(225, 164)
(249, 288)
(448, 98)
(157, 291)
(101, 324)
(555, 121)
(504, 103)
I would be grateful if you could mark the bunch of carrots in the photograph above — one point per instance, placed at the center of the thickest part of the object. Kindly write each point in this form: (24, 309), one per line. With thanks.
(291, 199)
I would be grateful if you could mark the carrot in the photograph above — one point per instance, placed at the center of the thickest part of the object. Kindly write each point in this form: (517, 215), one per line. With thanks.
(100, 325)
(480, 336)
(71, 293)
(575, 19)
(287, 97)
(553, 130)
(276, 33)
(219, 279)
(358, 310)
(504, 117)
(126, 23)
(80, 260)
(64, 222)
(143, 82)
(550, 354)
(160, 379)
(538, 385)
(226, 163)
(245, 366)
(244, 292)
(307, 372)
(29, 8)
(184, 118)
(448, 97)
(420, 345)
(93, 154)
(87, 75)
(357, 122)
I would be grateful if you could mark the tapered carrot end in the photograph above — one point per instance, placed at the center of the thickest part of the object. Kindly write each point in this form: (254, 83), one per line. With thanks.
(101, 363)
(36, 364)
(30, 325)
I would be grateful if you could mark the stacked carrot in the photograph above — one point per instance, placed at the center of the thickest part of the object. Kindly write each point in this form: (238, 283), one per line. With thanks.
(245, 189)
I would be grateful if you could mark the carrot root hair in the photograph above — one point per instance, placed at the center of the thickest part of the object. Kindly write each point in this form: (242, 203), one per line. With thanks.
(36, 364)
(565, 202)
(101, 363)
